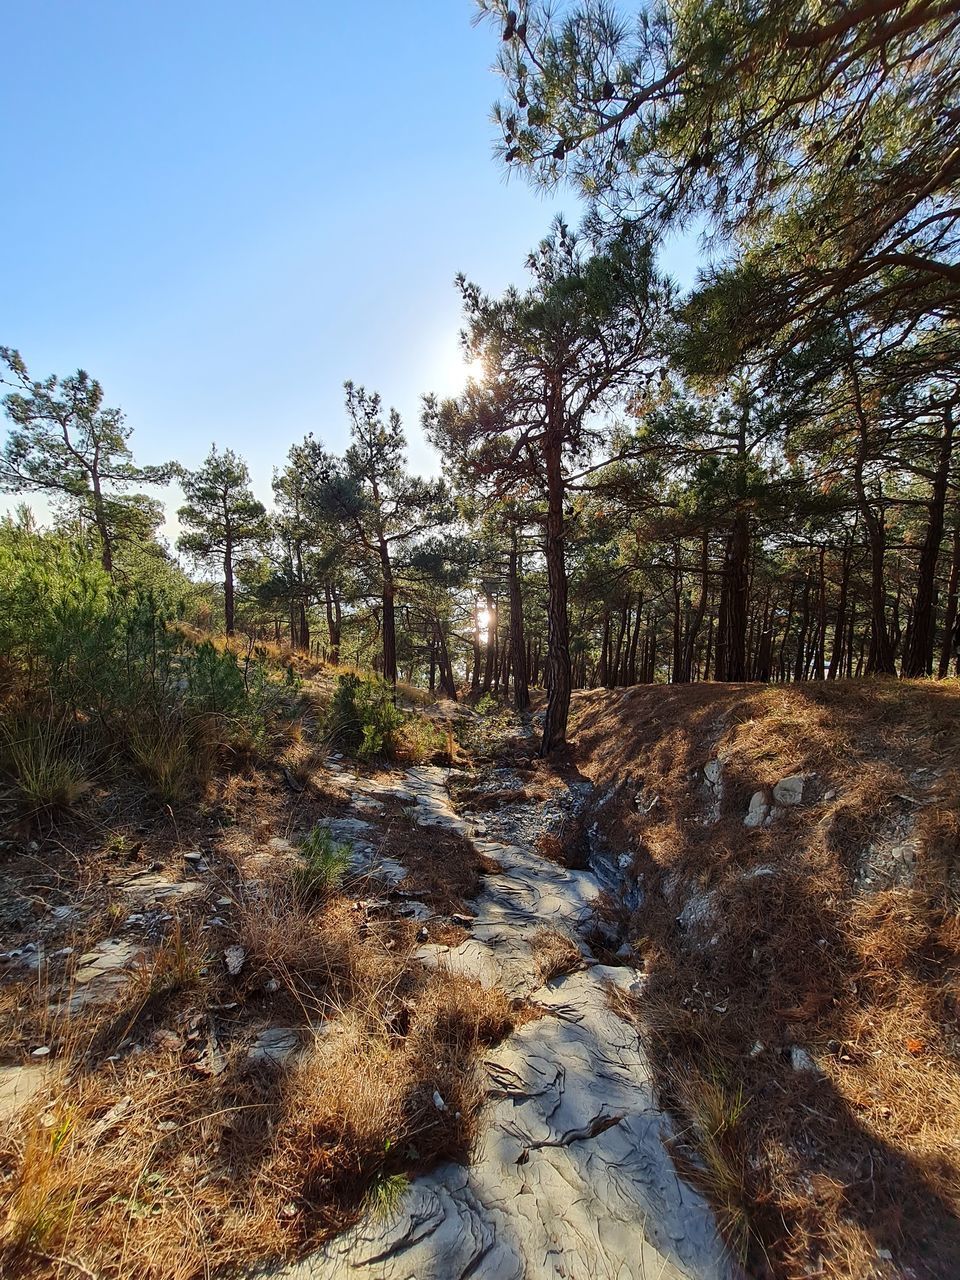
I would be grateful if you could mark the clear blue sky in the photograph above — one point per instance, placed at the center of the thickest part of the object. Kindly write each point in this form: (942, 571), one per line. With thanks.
(223, 210)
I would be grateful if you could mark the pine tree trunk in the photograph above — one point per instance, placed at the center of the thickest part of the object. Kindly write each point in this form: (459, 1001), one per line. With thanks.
(836, 655)
(100, 520)
(489, 647)
(448, 684)
(389, 619)
(518, 648)
(228, 598)
(951, 638)
(918, 658)
(635, 643)
(333, 620)
(880, 660)
(603, 669)
(558, 633)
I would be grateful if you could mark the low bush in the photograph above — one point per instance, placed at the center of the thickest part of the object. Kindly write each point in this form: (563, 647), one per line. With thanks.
(110, 662)
(363, 718)
(325, 863)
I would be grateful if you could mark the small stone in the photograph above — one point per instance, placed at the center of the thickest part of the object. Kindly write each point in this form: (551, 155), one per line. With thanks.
(163, 1038)
(271, 985)
(831, 794)
(193, 856)
(800, 1060)
(438, 1102)
(759, 810)
(789, 790)
(273, 1046)
(712, 771)
(234, 957)
(223, 902)
(41, 1052)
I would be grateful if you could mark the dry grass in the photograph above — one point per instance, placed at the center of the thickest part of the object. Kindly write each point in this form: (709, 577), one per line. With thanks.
(554, 954)
(814, 946)
(47, 766)
(444, 868)
(161, 1150)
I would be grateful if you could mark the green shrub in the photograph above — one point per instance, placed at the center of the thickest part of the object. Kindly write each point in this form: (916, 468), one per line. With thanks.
(325, 863)
(363, 718)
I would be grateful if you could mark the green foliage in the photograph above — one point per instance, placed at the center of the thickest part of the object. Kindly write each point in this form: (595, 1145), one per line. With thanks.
(386, 1195)
(363, 717)
(325, 863)
(64, 442)
(80, 647)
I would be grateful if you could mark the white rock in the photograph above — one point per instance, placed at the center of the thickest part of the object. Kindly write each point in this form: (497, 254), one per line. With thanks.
(274, 1045)
(800, 1060)
(789, 790)
(18, 1084)
(234, 957)
(759, 810)
(713, 771)
(438, 1102)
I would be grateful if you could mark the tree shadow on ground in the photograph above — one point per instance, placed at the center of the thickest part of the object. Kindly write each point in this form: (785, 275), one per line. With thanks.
(796, 1027)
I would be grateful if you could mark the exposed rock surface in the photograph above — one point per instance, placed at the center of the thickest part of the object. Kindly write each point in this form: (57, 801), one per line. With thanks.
(759, 811)
(18, 1084)
(103, 972)
(570, 1177)
(789, 790)
(274, 1045)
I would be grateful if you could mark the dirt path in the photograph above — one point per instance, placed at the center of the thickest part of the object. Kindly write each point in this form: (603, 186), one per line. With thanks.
(571, 1177)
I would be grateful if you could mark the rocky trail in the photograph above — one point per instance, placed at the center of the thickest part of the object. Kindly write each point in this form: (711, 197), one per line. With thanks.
(570, 1177)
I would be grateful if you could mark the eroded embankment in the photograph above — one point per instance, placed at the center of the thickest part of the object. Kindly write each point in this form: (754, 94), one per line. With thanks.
(571, 1176)
(792, 859)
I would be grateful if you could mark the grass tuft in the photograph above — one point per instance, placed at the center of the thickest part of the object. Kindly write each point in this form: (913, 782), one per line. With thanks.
(46, 764)
(326, 862)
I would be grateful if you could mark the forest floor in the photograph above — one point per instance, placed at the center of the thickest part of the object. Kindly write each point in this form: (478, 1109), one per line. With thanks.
(548, 1015)
(791, 883)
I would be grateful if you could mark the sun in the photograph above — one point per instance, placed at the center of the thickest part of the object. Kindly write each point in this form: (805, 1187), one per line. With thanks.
(476, 370)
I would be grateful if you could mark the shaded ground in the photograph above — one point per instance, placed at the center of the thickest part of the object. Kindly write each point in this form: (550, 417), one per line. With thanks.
(801, 955)
(209, 1058)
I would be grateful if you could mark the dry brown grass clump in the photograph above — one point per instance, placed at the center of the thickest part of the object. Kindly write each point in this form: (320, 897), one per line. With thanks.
(554, 954)
(805, 1030)
(159, 1148)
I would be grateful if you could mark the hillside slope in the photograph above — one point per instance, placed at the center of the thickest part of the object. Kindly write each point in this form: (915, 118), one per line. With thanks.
(791, 869)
